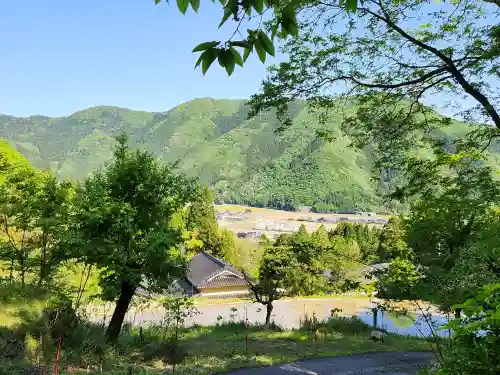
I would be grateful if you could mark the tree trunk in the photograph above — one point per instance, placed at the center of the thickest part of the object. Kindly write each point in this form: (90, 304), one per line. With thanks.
(269, 310)
(11, 269)
(22, 270)
(115, 324)
(457, 313)
(43, 266)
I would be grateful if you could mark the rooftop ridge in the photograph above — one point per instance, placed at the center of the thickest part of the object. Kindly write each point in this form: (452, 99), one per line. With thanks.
(214, 259)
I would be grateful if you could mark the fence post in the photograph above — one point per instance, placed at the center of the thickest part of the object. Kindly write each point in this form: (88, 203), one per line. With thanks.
(246, 330)
(314, 326)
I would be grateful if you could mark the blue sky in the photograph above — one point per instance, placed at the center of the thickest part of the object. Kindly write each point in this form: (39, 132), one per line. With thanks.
(58, 56)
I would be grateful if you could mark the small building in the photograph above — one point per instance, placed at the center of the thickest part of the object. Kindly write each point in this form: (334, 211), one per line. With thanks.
(209, 276)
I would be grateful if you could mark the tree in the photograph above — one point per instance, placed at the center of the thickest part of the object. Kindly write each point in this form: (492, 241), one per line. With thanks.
(123, 225)
(201, 219)
(475, 336)
(52, 207)
(227, 246)
(274, 272)
(445, 226)
(451, 229)
(390, 69)
(392, 243)
(33, 215)
(18, 219)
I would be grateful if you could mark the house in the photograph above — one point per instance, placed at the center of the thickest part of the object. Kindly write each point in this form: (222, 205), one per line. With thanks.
(209, 276)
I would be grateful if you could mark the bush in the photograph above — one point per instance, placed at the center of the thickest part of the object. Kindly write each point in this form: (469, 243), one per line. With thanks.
(11, 345)
(347, 325)
(59, 316)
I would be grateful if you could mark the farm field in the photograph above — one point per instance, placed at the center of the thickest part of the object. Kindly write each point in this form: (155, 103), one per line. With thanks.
(257, 220)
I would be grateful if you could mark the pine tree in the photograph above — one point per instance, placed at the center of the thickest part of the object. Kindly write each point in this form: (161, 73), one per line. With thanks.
(392, 242)
(202, 219)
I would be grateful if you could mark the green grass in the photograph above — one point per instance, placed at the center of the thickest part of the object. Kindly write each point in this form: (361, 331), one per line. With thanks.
(215, 349)
(209, 350)
(212, 350)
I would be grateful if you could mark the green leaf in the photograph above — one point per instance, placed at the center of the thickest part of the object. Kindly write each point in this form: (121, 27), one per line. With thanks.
(274, 30)
(183, 5)
(223, 2)
(258, 5)
(266, 43)
(157, 1)
(289, 28)
(195, 4)
(204, 46)
(289, 13)
(226, 60)
(227, 14)
(200, 59)
(222, 59)
(260, 50)
(289, 21)
(246, 53)
(351, 5)
(208, 59)
(230, 63)
(241, 43)
(237, 57)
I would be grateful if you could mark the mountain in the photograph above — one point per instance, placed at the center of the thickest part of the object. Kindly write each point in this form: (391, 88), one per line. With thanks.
(243, 160)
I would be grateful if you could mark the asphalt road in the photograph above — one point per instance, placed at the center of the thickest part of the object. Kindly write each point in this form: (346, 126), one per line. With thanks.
(366, 364)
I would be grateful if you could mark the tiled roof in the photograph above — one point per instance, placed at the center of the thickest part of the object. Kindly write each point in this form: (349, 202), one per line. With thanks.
(204, 267)
(224, 280)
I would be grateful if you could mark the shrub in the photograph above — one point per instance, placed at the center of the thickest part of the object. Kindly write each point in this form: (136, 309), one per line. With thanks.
(345, 325)
(59, 316)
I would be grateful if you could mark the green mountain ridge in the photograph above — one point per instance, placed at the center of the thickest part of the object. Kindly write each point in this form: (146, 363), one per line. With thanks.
(243, 160)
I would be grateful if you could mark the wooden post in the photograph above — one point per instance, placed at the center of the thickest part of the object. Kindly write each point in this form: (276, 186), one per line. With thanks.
(315, 336)
(246, 330)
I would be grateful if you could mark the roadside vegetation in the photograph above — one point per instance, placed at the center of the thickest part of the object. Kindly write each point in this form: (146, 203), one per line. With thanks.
(26, 344)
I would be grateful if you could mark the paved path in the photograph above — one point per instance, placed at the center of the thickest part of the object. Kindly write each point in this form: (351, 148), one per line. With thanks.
(365, 364)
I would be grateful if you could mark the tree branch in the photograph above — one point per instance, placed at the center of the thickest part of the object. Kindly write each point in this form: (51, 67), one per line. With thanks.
(448, 61)
(253, 288)
(422, 79)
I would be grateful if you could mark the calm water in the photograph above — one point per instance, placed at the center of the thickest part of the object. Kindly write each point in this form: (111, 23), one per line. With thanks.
(414, 326)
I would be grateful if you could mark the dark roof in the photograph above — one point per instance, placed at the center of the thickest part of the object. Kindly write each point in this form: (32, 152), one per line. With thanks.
(204, 266)
(224, 280)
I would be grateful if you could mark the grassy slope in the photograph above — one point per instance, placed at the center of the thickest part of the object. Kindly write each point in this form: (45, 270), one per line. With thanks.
(243, 159)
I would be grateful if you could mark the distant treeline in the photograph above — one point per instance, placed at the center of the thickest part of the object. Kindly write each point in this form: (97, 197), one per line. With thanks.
(334, 202)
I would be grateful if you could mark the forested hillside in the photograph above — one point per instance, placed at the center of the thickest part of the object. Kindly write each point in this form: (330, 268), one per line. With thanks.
(243, 160)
